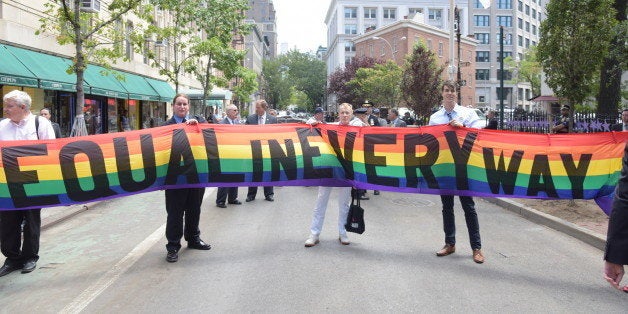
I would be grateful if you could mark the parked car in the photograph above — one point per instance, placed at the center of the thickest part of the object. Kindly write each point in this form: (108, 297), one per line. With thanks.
(289, 119)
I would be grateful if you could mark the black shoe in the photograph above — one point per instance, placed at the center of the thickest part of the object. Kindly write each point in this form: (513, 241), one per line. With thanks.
(376, 192)
(172, 256)
(221, 205)
(236, 202)
(270, 198)
(6, 269)
(364, 198)
(250, 198)
(29, 266)
(199, 245)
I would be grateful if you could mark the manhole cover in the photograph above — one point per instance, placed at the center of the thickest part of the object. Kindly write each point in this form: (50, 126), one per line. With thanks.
(411, 201)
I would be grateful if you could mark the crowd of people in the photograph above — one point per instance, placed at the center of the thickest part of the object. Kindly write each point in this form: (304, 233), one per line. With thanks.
(183, 205)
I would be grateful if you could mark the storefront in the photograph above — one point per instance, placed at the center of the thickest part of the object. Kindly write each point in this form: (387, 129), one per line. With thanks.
(214, 104)
(111, 105)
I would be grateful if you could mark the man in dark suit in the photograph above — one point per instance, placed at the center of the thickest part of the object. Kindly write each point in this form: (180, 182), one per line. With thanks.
(616, 254)
(621, 126)
(492, 120)
(372, 119)
(395, 120)
(260, 117)
(183, 202)
(232, 192)
(45, 112)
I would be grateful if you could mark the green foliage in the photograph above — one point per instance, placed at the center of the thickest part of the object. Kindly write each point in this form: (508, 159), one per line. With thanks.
(276, 85)
(420, 85)
(246, 84)
(528, 69)
(575, 38)
(379, 84)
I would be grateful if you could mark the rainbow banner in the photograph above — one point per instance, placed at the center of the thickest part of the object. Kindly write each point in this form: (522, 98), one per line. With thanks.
(430, 160)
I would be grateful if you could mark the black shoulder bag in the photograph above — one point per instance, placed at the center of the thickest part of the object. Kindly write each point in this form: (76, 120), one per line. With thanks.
(355, 217)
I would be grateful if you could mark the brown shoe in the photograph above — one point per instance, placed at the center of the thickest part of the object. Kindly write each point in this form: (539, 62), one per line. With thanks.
(478, 257)
(446, 250)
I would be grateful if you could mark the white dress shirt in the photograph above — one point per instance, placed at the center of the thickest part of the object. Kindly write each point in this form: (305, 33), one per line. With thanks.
(25, 130)
(464, 115)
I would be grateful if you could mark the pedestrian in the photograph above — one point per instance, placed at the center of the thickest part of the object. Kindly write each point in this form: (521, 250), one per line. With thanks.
(562, 125)
(408, 119)
(260, 117)
(381, 121)
(458, 116)
(45, 112)
(21, 124)
(623, 126)
(371, 118)
(345, 111)
(228, 194)
(318, 117)
(184, 202)
(616, 253)
(492, 120)
(395, 121)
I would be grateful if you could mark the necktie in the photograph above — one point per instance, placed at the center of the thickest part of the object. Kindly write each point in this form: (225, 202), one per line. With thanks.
(184, 120)
(449, 115)
(260, 120)
(231, 121)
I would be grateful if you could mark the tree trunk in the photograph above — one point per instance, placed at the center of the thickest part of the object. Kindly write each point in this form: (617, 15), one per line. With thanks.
(78, 127)
(609, 97)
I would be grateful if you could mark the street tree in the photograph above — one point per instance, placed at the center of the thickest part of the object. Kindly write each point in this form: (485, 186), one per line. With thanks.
(96, 38)
(610, 89)
(379, 84)
(276, 86)
(528, 69)
(307, 74)
(338, 79)
(575, 38)
(420, 84)
(246, 84)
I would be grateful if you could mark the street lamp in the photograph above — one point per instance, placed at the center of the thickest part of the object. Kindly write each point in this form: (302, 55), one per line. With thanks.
(501, 77)
(389, 45)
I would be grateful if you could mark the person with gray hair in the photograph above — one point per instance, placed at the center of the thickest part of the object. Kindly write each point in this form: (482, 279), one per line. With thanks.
(21, 124)
(228, 194)
(395, 121)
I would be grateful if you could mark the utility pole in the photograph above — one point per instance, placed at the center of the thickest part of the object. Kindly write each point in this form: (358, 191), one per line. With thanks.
(501, 77)
(459, 74)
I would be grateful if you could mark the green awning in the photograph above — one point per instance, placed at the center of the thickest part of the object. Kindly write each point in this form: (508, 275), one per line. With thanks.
(165, 91)
(138, 87)
(213, 102)
(102, 84)
(50, 70)
(13, 72)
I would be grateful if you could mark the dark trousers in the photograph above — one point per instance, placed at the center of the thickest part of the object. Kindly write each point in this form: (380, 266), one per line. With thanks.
(223, 192)
(180, 203)
(11, 235)
(268, 191)
(471, 217)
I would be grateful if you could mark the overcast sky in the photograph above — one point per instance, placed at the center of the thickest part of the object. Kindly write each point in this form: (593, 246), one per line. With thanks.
(301, 23)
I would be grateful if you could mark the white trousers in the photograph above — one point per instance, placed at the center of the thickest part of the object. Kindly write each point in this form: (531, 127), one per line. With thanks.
(344, 200)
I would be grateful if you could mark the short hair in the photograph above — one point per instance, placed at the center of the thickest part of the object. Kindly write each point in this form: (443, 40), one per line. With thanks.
(263, 103)
(174, 100)
(345, 105)
(625, 109)
(45, 108)
(451, 84)
(394, 111)
(18, 96)
(232, 107)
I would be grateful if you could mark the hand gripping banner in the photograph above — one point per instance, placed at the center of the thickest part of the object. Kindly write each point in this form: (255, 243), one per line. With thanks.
(430, 160)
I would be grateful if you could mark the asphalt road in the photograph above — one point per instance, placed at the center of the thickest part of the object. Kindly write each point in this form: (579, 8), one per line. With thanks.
(112, 259)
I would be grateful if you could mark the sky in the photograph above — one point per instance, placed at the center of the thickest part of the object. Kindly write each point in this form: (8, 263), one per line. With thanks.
(301, 23)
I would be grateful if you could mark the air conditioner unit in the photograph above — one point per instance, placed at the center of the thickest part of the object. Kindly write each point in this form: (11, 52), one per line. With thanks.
(91, 6)
(161, 42)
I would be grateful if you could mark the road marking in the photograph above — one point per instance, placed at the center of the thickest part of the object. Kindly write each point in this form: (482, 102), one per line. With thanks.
(93, 291)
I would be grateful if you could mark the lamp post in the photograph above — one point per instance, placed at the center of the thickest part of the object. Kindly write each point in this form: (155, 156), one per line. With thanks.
(392, 51)
(501, 77)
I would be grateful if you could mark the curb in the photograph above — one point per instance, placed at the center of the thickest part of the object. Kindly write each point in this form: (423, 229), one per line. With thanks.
(63, 213)
(571, 229)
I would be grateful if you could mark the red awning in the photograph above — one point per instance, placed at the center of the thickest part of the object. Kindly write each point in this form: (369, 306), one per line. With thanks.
(544, 98)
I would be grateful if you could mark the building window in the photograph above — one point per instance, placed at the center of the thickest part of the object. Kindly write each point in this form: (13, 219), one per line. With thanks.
(434, 14)
(504, 4)
(533, 43)
(483, 38)
(415, 11)
(371, 49)
(507, 75)
(527, 26)
(506, 95)
(481, 20)
(507, 39)
(534, 29)
(370, 13)
(520, 41)
(505, 21)
(482, 56)
(351, 29)
(440, 49)
(481, 99)
(478, 4)
(527, 43)
(533, 13)
(348, 60)
(520, 6)
(528, 94)
(482, 75)
(429, 45)
(351, 13)
(520, 23)
(390, 13)
(349, 46)
(527, 10)
(506, 55)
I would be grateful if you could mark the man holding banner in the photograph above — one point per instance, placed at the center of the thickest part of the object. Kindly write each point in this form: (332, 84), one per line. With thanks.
(458, 116)
(21, 124)
(261, 117)
(228, 192)
(616, 254)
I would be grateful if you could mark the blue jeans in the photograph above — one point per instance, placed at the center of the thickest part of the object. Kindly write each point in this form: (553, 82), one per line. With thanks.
(471, 217)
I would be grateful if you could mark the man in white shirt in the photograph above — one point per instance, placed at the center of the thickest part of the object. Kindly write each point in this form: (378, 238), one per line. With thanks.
(457, 116)
(260, 117)
(20, 124)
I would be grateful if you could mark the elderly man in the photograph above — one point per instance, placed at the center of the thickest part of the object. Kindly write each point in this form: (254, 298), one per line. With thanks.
(231, 192)
(260, 117)
(21, 124)
(319, 117)
(395, 120)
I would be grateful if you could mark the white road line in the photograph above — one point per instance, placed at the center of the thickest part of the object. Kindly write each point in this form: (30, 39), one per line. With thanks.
(93, 291)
